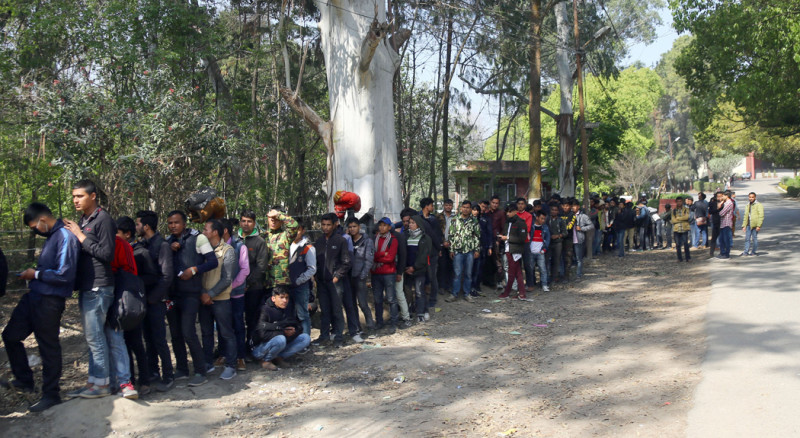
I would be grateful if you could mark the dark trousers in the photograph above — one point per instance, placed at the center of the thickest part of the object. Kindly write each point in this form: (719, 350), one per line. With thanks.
(220, 312)
(134, 341)
(527, 263)
(514, 273)
(714, 237)
(445, 271)
(420, 300)
(477, 272)
(644, 237)
(40, 315)
(253, 301)
(610, 239)
(682, 240)
(383, 285)
(553, 260)
(330, 295)
(155, 339)
(433, 277)
(182, 319)
(349, 303)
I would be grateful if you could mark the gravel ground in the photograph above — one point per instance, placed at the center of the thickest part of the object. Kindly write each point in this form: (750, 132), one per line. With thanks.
(617, 354)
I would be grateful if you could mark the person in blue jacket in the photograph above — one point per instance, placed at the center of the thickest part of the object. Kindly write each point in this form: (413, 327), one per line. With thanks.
(39, 310)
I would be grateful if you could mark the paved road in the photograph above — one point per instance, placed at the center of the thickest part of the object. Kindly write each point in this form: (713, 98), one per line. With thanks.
(751, 373)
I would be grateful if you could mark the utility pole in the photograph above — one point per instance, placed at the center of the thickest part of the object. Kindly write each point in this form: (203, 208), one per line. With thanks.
(584, 139)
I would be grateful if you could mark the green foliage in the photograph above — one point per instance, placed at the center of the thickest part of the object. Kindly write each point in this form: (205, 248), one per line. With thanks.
(675, 195)
(723, 166)
(793, 191)
(745, 53)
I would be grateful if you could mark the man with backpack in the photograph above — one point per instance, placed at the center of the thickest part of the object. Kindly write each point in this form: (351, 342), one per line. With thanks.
(154, 327)
(302, 267)
(643, 225)
(39, 311)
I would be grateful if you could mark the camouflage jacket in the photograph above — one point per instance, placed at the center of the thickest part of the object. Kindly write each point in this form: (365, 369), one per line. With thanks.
(465, 235)
(278, 243)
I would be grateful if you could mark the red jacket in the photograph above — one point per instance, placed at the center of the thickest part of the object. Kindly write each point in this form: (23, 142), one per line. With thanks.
(123, 257)
(385, 260)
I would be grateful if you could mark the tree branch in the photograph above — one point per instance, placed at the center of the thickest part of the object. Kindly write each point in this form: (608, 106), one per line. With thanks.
(374, 36)
(507, 90)
(215, 76)
(320, 126)
(399, 38)
(302, 69)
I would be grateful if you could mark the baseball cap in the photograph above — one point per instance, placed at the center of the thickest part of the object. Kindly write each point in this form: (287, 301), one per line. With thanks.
(385, 220)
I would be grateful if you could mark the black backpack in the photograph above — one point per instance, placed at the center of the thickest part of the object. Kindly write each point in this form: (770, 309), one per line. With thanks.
(129, 306)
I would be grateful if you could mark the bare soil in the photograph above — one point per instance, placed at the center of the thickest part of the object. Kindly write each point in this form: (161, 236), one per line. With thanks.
(617, 354)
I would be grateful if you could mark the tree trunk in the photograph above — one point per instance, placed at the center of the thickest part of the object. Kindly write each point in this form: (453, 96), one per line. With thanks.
(535, 104)
(446, 108)
(360, 62)
(566, 138)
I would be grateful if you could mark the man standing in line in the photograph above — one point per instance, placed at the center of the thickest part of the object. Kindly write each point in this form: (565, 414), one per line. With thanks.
(302, 267)
(713, 212)
(498, 216)
(254, 291)
(39, 311)
(701, 220)
(540, 241)
(154, 327)
(689, 202)
(623, 221)
(579, 235)
(485, 224)
(399, 234)
(434, 230)
(384, 272)
(282, 230)
(96, 233)
(465, 245)
(726, 219)
(527, 257)
(445, 272)
(751, 224)
(333, 264)
(558, 229)
(240, 273)
(680, 228)
(192, 256)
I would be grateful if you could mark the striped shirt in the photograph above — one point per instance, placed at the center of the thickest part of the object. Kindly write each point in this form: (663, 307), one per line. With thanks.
(726, 215)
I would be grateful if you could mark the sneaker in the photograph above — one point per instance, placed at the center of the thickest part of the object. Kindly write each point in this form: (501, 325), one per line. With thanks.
(427, 316)
(228, 373)
(450, 298)
(126, 390)
(165, 385)
(392, 329)
(279, 362)
(522, 297)
(357, 338)
(406, 324)
(96, 391)
(181, 375)
(268, 365)
(338, 343)
(17, 386)
(503, 295)
(44, 404)
(241, 365)
(145, 389)
(420, 319)
(469, 299)
(198, 380)
(545, 288)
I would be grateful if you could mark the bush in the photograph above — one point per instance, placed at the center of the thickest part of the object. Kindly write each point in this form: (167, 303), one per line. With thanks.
(700, 186)
(675, 195)
(793, 191)
(653, 203)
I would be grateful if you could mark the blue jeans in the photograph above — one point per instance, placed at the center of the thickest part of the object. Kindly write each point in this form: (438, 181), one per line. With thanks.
(300, 298)
(597, 244)
(725, 241)
(381, 284)
(277, 347)
(540, 260)
(94, 306)
(702, 235)
(330, 295)
(219, 312)
(682, 242)
(621, 243)
(579, 251)
(694, 234)
(462, 265)
(750, 233)
(120, 370)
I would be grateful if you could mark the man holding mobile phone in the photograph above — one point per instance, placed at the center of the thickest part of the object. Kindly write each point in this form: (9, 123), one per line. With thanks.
(39, 311)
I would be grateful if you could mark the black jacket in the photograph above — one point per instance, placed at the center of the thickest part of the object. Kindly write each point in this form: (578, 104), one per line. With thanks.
(161, 254)
(97, 251)
(257, 256)
(273, 320)
(433, 229)
(517, 235)
(624, 219)
(401, 251)
(334, 257)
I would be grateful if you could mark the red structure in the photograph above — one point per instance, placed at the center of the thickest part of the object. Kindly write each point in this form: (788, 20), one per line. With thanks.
(753, 164)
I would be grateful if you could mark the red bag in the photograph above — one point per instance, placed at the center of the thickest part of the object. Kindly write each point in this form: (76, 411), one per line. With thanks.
(343, 201)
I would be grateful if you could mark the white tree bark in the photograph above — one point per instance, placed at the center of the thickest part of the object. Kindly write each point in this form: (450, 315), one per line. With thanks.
(360, 62)
(566, 137)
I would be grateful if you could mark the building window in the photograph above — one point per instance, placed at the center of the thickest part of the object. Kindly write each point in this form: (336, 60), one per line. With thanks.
(511, 192)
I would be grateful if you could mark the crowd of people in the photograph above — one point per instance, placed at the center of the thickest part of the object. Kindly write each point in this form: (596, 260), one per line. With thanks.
(253, 291)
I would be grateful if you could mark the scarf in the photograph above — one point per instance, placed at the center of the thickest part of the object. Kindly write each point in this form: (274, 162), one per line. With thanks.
(415, 233)
(387, 239)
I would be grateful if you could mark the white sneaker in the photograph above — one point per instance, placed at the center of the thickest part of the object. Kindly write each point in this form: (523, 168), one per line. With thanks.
(427, 316)
(546, 288)
(357, 339)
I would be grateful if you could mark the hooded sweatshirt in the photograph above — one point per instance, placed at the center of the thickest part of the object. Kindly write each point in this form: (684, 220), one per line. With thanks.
(257, 256)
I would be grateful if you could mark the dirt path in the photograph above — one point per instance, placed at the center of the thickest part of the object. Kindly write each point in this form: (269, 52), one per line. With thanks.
(617, 354)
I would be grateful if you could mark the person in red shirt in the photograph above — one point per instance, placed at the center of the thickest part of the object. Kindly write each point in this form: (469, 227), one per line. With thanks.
(383, 272)
(527, 256)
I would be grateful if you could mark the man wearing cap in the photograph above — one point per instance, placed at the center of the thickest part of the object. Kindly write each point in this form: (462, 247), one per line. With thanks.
(384, 272)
